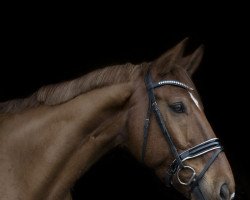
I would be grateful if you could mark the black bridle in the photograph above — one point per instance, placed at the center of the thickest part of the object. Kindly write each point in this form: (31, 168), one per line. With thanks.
(198, 150)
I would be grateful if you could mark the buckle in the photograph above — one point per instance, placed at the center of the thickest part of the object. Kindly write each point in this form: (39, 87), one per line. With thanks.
(192, 178)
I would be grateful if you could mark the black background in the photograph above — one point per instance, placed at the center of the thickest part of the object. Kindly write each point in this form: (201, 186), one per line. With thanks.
(49, 45)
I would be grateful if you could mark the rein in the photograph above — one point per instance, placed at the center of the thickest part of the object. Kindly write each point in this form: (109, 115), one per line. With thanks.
(178, 164)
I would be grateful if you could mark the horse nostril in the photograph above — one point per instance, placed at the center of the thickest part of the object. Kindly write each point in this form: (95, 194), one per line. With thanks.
(224, 192)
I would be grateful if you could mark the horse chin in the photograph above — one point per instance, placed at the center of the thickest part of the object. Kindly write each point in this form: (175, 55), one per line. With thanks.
(195, 196)
(199, 193)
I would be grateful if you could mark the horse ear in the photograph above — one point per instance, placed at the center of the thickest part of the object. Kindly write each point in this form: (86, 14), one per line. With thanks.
(190, 63)
(167, 61)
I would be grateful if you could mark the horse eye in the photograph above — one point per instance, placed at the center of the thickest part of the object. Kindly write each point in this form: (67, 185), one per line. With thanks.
(178, 107)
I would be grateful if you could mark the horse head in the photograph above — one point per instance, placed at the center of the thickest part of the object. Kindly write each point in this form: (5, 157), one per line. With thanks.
(169, 132)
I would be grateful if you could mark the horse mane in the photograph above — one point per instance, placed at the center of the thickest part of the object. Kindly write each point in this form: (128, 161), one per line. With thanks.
(62, 92)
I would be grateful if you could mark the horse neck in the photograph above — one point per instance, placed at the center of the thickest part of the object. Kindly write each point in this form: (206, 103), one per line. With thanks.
(66, 139)
(104, 132)
(59, 144)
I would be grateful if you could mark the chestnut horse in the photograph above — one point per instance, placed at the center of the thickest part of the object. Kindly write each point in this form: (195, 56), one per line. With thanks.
(161, 122)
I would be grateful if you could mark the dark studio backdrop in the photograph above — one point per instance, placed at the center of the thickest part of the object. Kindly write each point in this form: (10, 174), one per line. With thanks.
(36, 51)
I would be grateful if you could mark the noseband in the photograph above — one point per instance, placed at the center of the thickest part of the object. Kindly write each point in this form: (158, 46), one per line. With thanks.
(178, 164)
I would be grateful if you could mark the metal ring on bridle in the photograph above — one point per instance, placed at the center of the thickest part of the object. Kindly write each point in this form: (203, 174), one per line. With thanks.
(192, 178)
